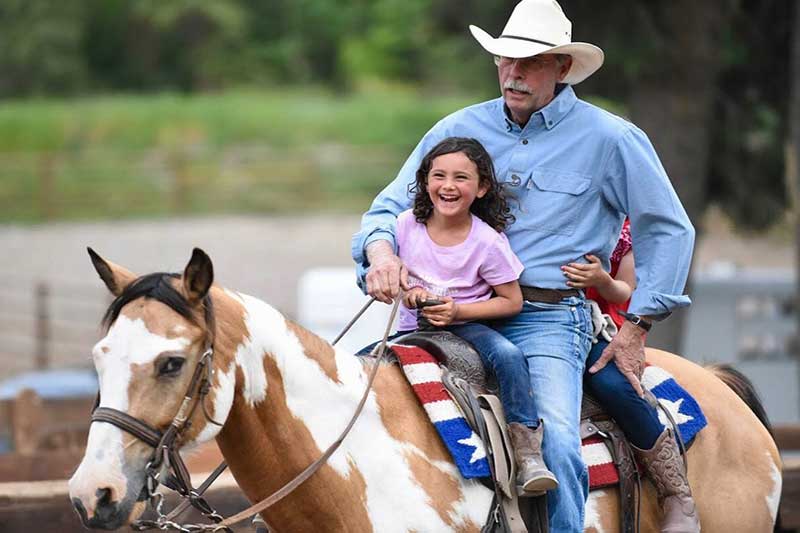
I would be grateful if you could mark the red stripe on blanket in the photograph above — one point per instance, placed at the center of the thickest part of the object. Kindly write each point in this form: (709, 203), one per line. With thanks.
(410, 355)
(431, 392)
(602, 471)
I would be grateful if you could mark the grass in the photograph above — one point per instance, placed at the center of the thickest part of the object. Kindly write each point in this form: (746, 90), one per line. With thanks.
(240, 151)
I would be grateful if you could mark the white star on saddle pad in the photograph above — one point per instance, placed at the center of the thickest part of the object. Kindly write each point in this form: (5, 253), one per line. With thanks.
(476, 443)
(674, 409)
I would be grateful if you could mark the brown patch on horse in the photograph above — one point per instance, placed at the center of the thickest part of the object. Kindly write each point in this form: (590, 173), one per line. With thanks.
(400, 409)
(317, 350)
(442, 489)
(270, 446)
(231, 331)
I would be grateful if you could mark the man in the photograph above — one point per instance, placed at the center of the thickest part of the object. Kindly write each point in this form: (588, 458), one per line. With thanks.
(572, 172)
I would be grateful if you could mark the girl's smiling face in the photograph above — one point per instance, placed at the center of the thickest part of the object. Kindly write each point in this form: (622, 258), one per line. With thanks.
(453, 184)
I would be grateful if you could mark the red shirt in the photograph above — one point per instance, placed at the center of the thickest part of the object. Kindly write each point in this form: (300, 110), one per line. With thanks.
(624, 246)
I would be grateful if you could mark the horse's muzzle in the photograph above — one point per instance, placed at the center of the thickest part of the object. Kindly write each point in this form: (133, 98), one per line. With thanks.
(108, 514)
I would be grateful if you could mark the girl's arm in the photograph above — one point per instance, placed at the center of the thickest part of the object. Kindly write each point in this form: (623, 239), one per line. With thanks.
(615, 290)
(506, 302)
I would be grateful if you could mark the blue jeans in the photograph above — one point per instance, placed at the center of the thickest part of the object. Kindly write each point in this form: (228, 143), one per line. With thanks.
(556, 339)
(509, 366)
(637, 418)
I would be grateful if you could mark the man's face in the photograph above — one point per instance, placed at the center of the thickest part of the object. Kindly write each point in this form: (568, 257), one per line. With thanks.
(528, 84)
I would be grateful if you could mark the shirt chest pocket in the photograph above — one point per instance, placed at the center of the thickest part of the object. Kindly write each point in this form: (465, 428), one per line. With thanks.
(554, 201)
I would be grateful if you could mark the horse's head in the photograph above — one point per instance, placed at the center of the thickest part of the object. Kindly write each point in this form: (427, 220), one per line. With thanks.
(159, 327)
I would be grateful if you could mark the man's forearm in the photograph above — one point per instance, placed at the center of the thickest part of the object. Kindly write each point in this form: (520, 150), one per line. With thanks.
(379, 249)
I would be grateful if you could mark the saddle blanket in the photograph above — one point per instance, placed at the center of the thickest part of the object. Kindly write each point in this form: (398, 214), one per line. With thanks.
(681, 406)
(425, 376)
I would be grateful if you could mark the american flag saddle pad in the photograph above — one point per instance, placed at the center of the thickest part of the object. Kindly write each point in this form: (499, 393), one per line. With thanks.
(425, 376)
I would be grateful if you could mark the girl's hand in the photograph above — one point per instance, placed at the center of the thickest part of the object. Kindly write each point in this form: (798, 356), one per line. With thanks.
(584, 276)
(413, 296)
(441, 315)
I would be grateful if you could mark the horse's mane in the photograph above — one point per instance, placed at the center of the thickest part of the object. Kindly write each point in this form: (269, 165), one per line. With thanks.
(156, 286)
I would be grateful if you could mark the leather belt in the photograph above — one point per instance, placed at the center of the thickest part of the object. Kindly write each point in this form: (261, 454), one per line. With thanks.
(548, 296)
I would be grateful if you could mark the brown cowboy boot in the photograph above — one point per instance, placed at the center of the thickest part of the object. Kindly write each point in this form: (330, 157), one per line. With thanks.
(533, 477)
(664, 465)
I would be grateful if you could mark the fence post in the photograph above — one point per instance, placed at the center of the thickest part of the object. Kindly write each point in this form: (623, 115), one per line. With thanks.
(26, 418)
(42, 326)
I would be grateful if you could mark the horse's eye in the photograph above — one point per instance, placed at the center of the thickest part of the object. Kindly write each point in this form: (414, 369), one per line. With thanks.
(170, 366)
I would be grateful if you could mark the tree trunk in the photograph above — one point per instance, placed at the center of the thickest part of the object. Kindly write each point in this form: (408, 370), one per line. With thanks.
(793, 164)
(673, 104)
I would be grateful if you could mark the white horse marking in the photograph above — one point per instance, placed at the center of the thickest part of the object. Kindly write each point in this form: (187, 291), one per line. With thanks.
(774, 498)
(307, 387)
(127, 343)
(592, 512)
(223, 400)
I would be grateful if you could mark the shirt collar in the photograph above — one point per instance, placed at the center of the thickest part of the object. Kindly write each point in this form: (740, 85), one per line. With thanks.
(548, 116)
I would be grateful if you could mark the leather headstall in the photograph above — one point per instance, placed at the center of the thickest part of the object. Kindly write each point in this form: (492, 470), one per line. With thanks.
(165, 452)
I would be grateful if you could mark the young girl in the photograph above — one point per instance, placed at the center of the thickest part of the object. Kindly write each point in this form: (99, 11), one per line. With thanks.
(655, 446)
(452, 244)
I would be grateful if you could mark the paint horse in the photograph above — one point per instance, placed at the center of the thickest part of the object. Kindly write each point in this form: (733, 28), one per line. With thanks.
(283, 395)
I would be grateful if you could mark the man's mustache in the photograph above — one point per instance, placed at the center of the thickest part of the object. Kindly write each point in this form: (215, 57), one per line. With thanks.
(517, 86)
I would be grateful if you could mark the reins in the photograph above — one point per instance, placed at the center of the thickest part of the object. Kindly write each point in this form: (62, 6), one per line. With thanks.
(166, 455)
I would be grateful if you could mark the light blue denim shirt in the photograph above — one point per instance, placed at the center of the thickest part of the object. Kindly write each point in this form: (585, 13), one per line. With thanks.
(571, 175)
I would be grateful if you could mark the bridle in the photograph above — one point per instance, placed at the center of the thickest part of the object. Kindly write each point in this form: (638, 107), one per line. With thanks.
(166, 456)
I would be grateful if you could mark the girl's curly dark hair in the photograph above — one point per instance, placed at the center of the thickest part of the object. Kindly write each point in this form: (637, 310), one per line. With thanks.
(492, 208)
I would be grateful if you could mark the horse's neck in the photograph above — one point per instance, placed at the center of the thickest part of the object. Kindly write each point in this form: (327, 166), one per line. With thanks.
(294, 394)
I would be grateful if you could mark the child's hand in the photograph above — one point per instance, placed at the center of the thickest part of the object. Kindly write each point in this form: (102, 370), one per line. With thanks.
(584, 276)
(413, 296)
(441, 315)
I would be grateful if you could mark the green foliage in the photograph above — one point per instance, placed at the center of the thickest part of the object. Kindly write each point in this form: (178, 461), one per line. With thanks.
(40, 47)
(50, 47)
(242, 151)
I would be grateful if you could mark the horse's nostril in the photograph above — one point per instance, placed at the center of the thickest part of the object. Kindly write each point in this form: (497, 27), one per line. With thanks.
(103, 497)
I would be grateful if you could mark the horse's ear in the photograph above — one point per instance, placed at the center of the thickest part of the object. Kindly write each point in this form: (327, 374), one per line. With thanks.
(198, 276)
(114, 276)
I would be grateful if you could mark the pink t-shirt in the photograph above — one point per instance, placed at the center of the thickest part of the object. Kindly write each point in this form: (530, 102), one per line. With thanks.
(466, 272)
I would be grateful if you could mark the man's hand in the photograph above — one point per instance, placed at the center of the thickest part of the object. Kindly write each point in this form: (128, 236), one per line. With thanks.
(441, 315)
(627, 351)
(582, 276)
(386, 274)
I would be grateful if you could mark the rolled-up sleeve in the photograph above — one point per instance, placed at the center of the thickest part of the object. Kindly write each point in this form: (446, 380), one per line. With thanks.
(379, 222)
(663, 235)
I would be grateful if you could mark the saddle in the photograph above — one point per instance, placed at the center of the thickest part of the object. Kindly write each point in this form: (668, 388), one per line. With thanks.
(475, 391)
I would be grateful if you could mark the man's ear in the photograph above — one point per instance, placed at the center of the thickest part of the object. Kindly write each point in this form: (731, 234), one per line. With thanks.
(197, 277)
(114, 276)
(565, 68)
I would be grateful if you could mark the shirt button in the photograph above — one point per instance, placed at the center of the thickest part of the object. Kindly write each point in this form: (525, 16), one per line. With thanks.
(524, 141)
(515, 180)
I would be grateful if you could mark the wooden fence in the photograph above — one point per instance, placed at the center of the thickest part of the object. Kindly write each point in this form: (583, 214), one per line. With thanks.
(48, 324)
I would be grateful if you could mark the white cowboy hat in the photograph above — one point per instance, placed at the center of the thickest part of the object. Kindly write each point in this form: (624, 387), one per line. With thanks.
(540, 27)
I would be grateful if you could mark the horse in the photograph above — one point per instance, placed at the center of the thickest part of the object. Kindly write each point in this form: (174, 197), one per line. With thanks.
(281, 395)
